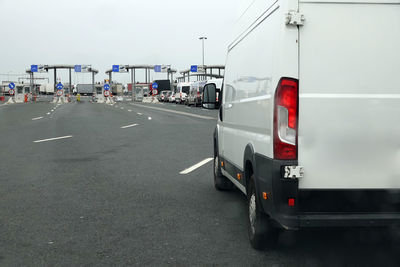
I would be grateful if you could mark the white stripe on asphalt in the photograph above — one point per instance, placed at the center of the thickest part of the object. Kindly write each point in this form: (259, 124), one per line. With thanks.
(128, 126)
(177, 112)
(129, 110)
(38, 118)
(149, 118)
(140, 114)
(53, 139)
(48, 113)
(196, 166)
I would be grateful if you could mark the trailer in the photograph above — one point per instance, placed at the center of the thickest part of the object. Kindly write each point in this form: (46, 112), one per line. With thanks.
(84, 89)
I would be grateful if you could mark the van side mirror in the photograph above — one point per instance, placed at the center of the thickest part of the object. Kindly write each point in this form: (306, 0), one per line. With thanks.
(209, 99)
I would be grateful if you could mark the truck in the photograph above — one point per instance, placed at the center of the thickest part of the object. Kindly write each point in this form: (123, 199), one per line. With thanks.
(163, 85)
(84, 89)
(46, 89)
(308, 121)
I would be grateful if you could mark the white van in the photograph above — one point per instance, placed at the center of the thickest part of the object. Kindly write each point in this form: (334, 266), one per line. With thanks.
(309, 124)
(182, 92)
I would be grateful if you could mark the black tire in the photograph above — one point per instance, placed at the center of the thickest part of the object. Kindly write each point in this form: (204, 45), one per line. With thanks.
(221, 183)
(262, 234)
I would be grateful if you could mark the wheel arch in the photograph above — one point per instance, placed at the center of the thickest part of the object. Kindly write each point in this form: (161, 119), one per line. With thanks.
(249, 165)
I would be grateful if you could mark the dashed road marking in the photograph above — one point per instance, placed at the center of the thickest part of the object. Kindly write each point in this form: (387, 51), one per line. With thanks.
(140, 113)
(38, 118)
(53, 139)
(129, 110)
(196, 166)
(129, 126)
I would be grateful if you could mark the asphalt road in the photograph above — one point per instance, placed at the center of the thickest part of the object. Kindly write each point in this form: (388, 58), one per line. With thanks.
(111, 196)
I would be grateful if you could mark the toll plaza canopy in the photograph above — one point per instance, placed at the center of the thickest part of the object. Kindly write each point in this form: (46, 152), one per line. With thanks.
(170, 72)
(210, 71)
(61, 66)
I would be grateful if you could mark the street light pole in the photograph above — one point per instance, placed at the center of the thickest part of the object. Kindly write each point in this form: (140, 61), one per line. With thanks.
(202, 40)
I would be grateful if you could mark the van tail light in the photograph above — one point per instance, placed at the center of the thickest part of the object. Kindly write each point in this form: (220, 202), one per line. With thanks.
(286, 117)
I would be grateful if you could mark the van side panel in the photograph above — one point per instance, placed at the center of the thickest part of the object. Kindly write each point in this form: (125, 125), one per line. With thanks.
(349, 110)
(255, 63)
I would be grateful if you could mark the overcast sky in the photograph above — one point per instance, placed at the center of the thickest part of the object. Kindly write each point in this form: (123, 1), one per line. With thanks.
(104, 32)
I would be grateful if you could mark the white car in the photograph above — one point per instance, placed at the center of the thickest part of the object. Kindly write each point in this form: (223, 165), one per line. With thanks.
(308, 125)
(171, 98)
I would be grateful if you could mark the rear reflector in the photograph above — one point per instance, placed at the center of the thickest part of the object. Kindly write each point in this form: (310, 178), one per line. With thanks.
(286, 119)
(291, 202)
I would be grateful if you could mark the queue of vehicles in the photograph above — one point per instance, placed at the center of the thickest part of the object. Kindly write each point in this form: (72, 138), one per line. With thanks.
(188, 93)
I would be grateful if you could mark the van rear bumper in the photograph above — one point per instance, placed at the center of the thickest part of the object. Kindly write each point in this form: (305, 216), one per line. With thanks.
(338, 220)
(321, 208)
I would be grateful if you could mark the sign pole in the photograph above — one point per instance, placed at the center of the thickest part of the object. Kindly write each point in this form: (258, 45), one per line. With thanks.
(70, 83)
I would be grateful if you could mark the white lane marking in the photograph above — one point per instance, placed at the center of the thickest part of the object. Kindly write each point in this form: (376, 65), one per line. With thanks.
(140, 114)
(129, 126)
(53, 139)
(122, 108)
(38, 118)
(196, 166)
(177, 112)
(129, 110)
(48, 113)
(149, 118)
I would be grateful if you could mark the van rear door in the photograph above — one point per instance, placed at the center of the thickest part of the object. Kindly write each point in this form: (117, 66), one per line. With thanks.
(349, 82)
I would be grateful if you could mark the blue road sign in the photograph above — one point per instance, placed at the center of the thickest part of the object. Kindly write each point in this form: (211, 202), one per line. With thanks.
(106, 87)
(115, 68)
(155, 85)
(11, 85)
(34, 68)
(60, 86)
(193, 68)
(157, 68)
(78, 68)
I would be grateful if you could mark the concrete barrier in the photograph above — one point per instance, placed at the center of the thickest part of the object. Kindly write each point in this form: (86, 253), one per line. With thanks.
(150, 100)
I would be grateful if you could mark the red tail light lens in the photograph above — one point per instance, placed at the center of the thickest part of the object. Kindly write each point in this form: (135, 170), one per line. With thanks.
(286, 119)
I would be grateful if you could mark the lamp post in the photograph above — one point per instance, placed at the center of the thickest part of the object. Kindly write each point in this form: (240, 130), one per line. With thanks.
(202, 40)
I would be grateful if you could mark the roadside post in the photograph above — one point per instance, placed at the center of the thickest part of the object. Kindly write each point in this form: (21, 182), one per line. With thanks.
(154, 91)
(107, 93)
(60, 92)
(11, 92)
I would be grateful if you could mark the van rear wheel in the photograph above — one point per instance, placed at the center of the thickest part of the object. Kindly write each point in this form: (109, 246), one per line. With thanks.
(262, 234)
(220, 182)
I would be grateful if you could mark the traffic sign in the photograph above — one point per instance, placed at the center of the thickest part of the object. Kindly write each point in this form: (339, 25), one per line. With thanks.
(115, 68)
(11, 92)
(106, 93)
(78, 68)
(157, 68)
(59, 92)
(155, 92)
(107, 87)
(11, 85)
(34, 68)
(59, 86)
(155, 85)
(193, 68)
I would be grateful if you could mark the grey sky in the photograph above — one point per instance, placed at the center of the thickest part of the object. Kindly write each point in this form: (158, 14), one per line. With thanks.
(105, 32)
